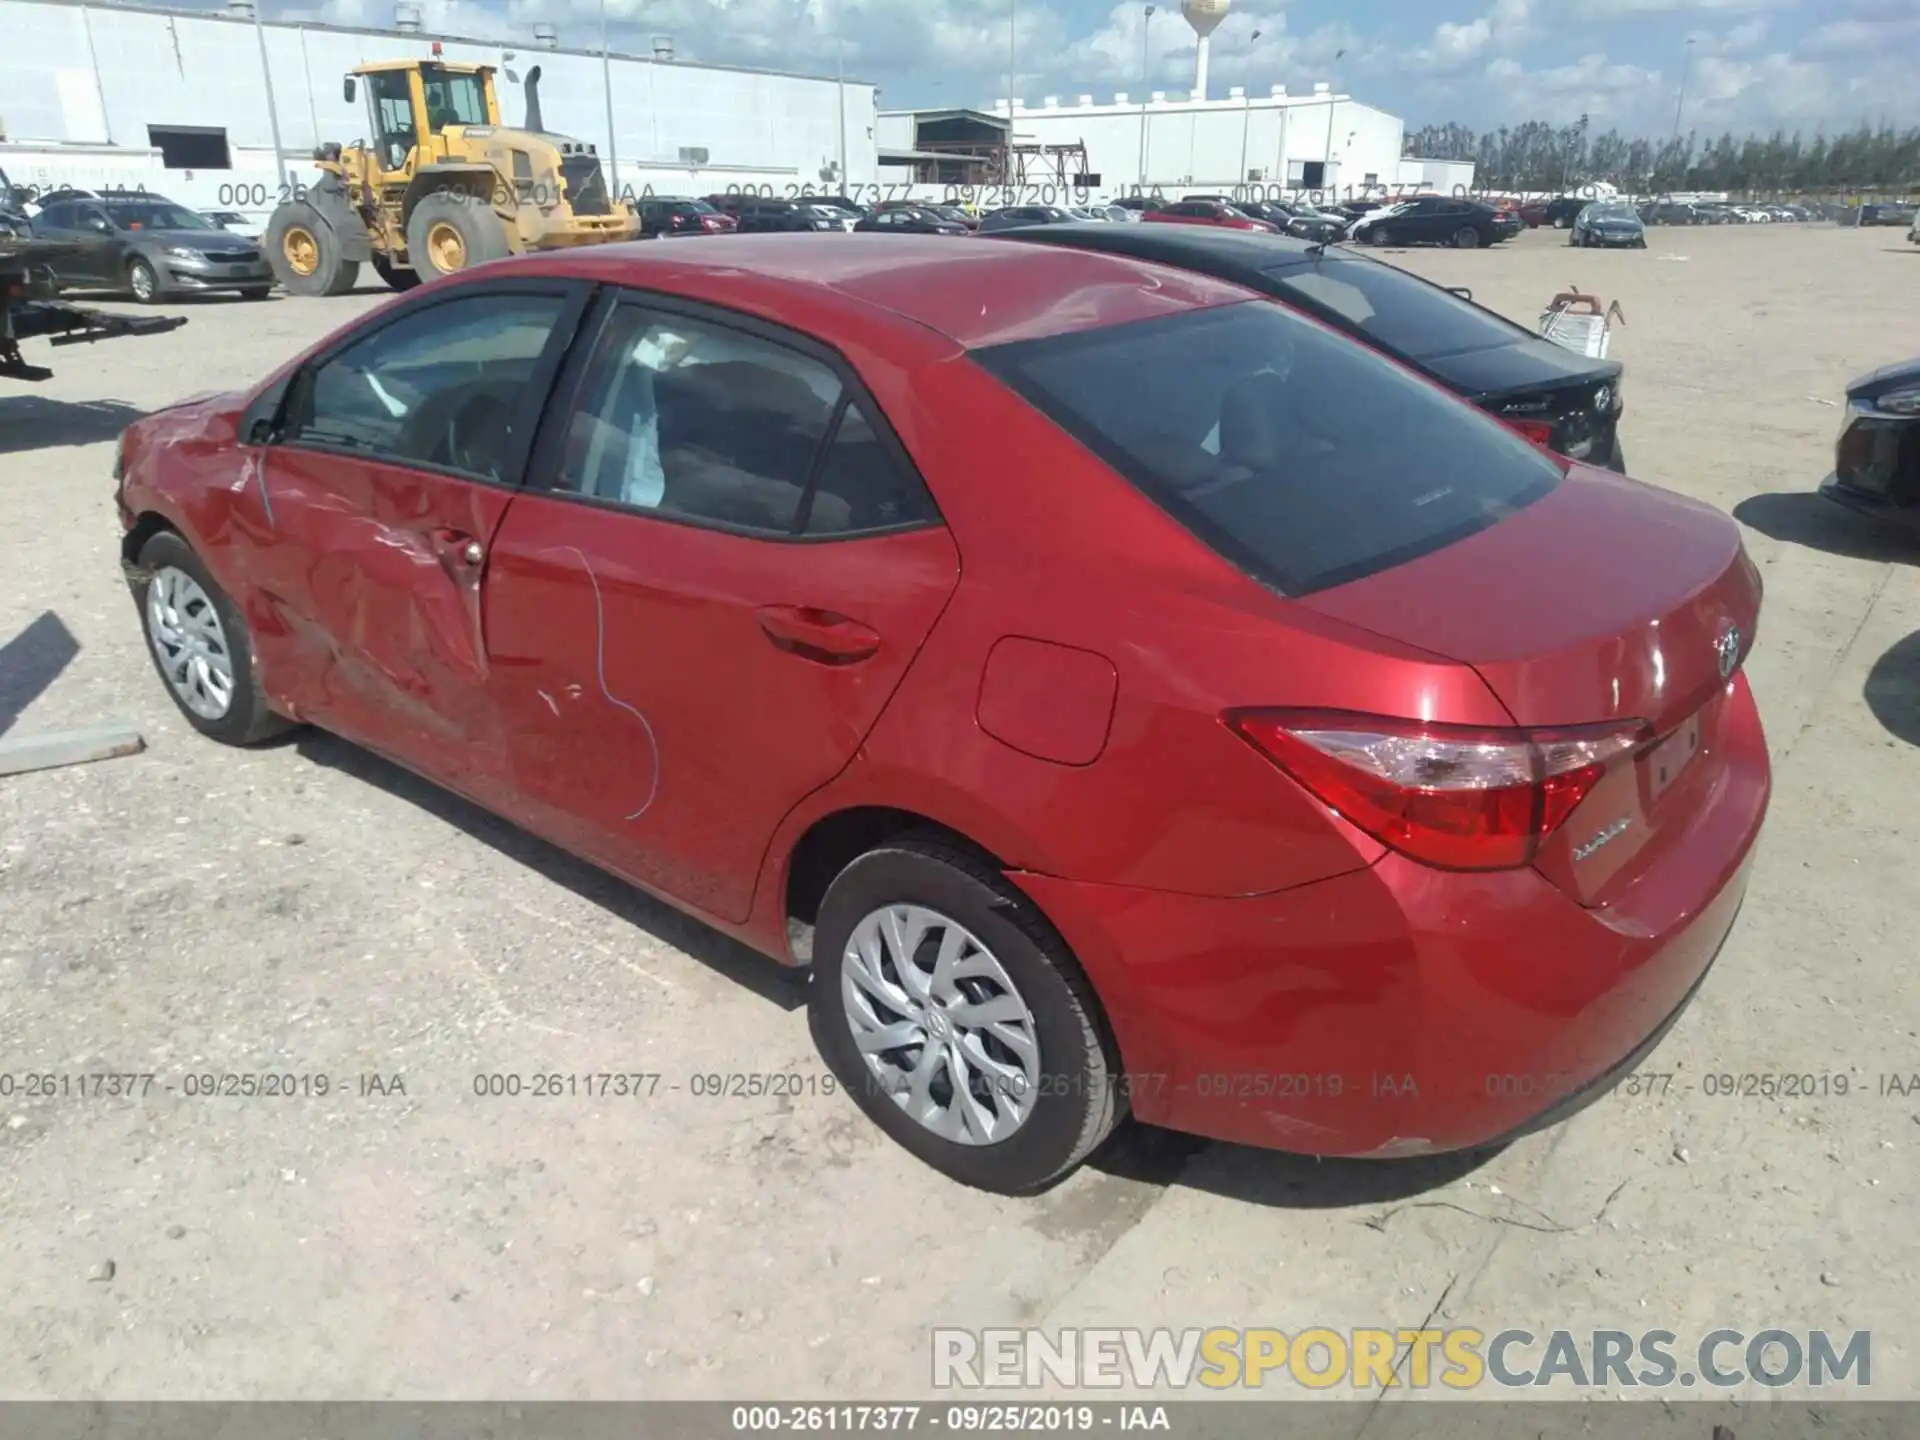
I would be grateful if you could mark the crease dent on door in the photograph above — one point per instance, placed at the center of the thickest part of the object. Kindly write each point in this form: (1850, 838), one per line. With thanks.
(651, 788)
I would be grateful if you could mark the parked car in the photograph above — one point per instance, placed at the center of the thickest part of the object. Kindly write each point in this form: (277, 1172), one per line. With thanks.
(1608, 224)
(1674, 212)
(1015, 217)
(1306, 221)
(1559, 212)
(1556, 398)
(151, 247)
(839, 204)
(1211, 212)
(1436, 220)
(1328, 739)
(234, 223)
(911, 220)
(1885, 214)
(1140, 204)
(757, 215)
(1876, 465)
(665, 216)
(1913, 231)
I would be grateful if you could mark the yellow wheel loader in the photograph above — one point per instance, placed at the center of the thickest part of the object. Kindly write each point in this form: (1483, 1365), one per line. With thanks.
(441, 186)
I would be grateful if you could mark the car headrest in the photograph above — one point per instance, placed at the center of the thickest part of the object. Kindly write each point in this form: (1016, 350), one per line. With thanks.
(1256, 425)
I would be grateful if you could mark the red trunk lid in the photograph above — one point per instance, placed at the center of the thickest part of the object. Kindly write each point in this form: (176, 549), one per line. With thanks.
(1605, 600)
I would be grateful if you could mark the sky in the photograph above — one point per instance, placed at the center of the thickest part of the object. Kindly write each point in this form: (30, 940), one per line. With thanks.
(1748, 65)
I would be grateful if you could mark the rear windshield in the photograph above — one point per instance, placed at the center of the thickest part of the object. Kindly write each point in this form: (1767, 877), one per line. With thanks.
(1400, 311)
(1305, 459)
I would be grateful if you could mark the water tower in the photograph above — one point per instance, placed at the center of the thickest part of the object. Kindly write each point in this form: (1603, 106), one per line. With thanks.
(1205, 17)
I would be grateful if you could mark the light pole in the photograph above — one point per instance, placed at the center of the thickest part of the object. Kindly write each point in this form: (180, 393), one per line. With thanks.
(840, 77)
(273, 111)
(1686, 64)
(1326, 165)
(606, 81)
(1146, 33)
(1246, 118)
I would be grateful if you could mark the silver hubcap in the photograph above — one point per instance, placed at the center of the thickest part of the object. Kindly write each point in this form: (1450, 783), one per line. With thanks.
(940, 1024)
(190, 642)
(142, 282)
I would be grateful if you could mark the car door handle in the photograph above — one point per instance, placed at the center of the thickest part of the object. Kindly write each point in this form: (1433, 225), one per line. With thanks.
(815, 634)
(459, 549)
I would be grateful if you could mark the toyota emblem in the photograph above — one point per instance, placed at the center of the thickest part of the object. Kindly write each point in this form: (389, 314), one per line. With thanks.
(1601, 397)
(1727, 649)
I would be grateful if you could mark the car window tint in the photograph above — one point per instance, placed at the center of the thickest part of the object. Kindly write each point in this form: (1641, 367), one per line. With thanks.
(698, 421)
(56, 217)
(1402, 312)
(861, 486)
(1302, 457)
(442, 386)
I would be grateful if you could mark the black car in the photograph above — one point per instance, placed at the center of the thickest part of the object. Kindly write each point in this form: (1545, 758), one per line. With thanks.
(663, 216)
(1549, 393)
(1562, 210)
(909, 220)
(1306, 222)
(839, 204)
(1673, 212)
(1142, 204)
(760, 216)
(1437, 220)
(1876, 463)
(151, 247)
(1608, 224)
(1885, 215)
(1017, 217)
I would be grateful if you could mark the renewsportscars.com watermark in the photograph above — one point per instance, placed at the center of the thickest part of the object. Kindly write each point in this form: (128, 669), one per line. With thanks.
(1457, 1359)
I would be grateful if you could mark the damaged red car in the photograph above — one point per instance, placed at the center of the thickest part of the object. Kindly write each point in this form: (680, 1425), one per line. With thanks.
(1127, 694)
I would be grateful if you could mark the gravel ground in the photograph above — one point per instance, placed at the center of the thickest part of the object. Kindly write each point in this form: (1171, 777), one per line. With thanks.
(308, 909)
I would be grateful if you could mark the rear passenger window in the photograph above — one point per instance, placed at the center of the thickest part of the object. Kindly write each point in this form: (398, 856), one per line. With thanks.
(861, 486)
(694, 420)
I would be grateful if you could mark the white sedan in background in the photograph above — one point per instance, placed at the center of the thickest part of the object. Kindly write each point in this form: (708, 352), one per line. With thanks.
(234, 223)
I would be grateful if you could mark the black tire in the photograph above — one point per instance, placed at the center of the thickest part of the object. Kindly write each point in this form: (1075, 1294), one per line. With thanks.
(256, 292)
(1573, 237)
(1466, 238)
(481, 234)
(306, 255)
(1078, 1101)
(144, 281)
(1379, 236)
(248, 719)
(1562, 223)
(1617, 461)
(397, 277)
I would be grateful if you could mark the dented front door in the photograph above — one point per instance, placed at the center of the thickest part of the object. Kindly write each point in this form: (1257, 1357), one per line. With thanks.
(393, 465)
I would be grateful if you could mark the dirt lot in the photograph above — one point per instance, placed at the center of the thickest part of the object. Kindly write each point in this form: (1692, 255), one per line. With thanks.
(307, 908)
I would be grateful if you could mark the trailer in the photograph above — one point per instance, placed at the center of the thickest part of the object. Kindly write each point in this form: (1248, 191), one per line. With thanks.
(31, 309)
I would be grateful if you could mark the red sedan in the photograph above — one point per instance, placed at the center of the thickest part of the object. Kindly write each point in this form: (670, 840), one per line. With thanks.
(1125, 693)
(1209, 212)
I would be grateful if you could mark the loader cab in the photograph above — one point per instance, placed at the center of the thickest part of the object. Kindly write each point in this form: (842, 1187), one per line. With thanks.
(410, 102)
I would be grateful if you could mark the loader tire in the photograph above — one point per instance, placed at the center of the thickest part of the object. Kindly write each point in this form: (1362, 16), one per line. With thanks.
(305, 253)
(397, 277)
(448, 233)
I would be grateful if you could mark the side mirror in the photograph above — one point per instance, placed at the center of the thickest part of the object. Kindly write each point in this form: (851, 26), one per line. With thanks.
(347, 89)
(261, 431)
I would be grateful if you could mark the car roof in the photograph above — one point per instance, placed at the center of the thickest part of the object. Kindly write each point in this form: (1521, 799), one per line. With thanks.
(1227, 254)
(974, 295)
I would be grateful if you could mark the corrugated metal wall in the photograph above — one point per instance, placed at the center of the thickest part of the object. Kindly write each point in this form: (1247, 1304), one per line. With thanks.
(94, 75)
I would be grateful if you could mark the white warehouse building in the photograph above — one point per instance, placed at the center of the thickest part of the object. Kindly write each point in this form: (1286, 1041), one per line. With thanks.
(177, 102)
(1255, 145)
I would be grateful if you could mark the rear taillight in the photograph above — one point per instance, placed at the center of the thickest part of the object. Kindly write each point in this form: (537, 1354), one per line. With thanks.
(1538, 431)
(1452, 796)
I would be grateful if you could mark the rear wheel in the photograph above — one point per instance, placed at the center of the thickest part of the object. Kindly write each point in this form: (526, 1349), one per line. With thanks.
(306, 255)
(1377, 236)
(958, 1020)
(448, 233)
(143, 281)
(1466, 238)
(200, 645)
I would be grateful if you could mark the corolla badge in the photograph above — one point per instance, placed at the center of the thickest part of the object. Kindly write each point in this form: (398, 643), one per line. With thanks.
(1726, 649)
(1612, 832)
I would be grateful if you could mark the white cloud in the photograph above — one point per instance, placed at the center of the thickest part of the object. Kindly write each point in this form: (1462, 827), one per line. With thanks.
(1508, 25)
(1630, 9)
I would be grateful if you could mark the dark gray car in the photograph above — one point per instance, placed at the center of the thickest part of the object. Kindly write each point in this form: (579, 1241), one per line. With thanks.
(151, 247)
(1609, 223)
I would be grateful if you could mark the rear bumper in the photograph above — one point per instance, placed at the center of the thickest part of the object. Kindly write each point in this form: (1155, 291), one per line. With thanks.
(590, 230)
(1401, 1010)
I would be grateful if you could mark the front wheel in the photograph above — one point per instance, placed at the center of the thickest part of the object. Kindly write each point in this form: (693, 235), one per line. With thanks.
(448, 233)
(143, 281)
(397, 277)
(200, 645)
(1466, 238)
(1378, 236)
(958, 1020)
